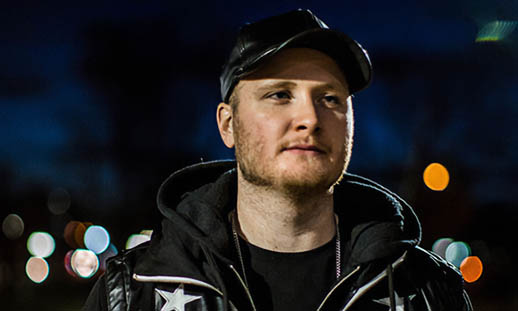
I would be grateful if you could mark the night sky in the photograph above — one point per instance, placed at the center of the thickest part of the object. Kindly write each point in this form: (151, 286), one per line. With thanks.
(106, 99)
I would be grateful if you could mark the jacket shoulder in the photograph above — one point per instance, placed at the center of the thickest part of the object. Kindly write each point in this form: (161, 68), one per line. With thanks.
(118, 277)
(111, 291)
(438, 281)
(431, 265)
(127, 257)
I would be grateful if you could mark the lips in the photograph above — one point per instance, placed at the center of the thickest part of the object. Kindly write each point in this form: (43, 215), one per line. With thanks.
(304, 148)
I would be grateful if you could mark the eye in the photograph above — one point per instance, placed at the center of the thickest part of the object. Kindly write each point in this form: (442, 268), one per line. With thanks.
(281, 95)
(331, 100)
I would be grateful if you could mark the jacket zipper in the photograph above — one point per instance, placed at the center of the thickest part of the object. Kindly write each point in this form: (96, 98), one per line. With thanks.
(362, 290)
(336, 286)
(247, 290)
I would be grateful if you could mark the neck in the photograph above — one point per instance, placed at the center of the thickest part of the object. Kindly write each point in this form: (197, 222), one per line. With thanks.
(277, 221)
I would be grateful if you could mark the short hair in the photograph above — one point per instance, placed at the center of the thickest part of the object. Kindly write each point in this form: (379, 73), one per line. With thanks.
(233, 100)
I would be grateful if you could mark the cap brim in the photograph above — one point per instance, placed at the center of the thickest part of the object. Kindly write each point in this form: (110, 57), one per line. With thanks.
(352, 59)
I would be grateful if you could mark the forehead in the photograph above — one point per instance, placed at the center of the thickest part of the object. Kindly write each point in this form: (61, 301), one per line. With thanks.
(300, 64)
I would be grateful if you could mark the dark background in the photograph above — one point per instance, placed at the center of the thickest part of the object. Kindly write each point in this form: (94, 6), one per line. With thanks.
(106, 99)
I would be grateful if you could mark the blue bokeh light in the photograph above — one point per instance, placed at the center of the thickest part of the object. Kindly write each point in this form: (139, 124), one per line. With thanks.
(97, 239)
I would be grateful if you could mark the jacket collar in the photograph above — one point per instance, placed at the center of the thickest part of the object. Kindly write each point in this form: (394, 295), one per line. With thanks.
(196, 200)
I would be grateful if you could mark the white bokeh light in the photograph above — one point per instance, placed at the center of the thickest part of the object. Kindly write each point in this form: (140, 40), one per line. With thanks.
(84, 263)
(41, 244)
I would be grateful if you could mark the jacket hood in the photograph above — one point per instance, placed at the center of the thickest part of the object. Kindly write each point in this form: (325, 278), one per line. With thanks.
(196, 200)
(194, 233)
(381, 224)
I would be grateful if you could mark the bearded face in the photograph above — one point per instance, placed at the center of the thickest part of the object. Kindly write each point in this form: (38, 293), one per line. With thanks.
(293, 126)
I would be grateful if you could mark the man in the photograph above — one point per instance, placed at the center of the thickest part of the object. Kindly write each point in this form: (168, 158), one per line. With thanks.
(284, 227)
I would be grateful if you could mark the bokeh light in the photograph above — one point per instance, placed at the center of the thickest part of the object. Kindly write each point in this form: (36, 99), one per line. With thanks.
(456, 252)
(13, 226)
(439, 247)
(84, 263)
(41, 244)
(436, 177)
(68, 263)
(74, 233)
(495, 31)
(147, 232)
(37, 269)
(97, 239)
(58, 201)
(136, 239)
(471, 268)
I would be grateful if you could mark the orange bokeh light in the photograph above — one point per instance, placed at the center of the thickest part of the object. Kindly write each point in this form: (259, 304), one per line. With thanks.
(471, 268)
(74, 233)
(436, 177)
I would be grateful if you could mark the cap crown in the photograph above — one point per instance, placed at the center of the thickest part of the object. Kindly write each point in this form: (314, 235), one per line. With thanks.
(260, 40)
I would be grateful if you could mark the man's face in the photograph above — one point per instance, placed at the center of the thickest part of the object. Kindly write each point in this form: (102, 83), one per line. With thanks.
(293, 125)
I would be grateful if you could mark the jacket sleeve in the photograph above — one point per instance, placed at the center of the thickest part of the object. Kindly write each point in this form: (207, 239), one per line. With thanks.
(442, 285)
(446, 296)
(96, 301)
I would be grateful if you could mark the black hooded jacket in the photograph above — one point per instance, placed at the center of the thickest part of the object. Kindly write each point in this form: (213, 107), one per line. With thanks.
(189, 264)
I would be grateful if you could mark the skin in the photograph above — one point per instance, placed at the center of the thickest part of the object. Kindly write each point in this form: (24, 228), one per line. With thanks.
(292, 132)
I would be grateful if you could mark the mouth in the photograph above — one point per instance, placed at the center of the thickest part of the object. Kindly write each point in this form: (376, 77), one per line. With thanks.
(304, 148)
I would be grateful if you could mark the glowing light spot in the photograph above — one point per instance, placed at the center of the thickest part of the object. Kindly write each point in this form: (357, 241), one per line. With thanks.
(136, 239)
(495, 31)
(58, 201)
(97, 239)
(456, 252)
(471, 268)
(13, 226)
(147, 232)
(68, 263)
(439, 247)
(436, 177)
(41, 244)
(37, 269)
(84, 263)
(75, 232)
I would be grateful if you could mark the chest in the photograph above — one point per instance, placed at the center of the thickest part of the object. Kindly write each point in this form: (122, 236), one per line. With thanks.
(289, 281)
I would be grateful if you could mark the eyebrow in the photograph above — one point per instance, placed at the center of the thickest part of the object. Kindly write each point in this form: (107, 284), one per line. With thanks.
(331, 87)
(276, 85)
(268, 86)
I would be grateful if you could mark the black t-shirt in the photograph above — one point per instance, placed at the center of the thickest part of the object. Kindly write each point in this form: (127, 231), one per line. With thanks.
(289, 281)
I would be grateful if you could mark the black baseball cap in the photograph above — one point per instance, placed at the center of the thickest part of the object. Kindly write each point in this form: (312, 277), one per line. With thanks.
(259, 41)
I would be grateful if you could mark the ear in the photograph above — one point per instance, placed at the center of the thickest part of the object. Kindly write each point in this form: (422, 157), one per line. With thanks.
(224, 116)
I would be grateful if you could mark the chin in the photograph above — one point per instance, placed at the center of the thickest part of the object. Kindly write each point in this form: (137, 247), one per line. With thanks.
(307, 181)
(300, 177)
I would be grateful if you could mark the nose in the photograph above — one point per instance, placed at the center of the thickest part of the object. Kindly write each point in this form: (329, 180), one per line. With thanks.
(306, 115)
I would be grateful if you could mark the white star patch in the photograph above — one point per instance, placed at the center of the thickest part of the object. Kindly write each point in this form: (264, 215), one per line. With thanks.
(177, 300)
(400, 302)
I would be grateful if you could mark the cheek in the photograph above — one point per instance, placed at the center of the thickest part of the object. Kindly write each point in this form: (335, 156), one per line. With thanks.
(266, 126)
(344, 124)
(255, 134)
(341, 124)
(340, 134)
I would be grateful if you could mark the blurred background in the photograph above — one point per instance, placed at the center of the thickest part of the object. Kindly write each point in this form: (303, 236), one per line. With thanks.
(101, 101)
